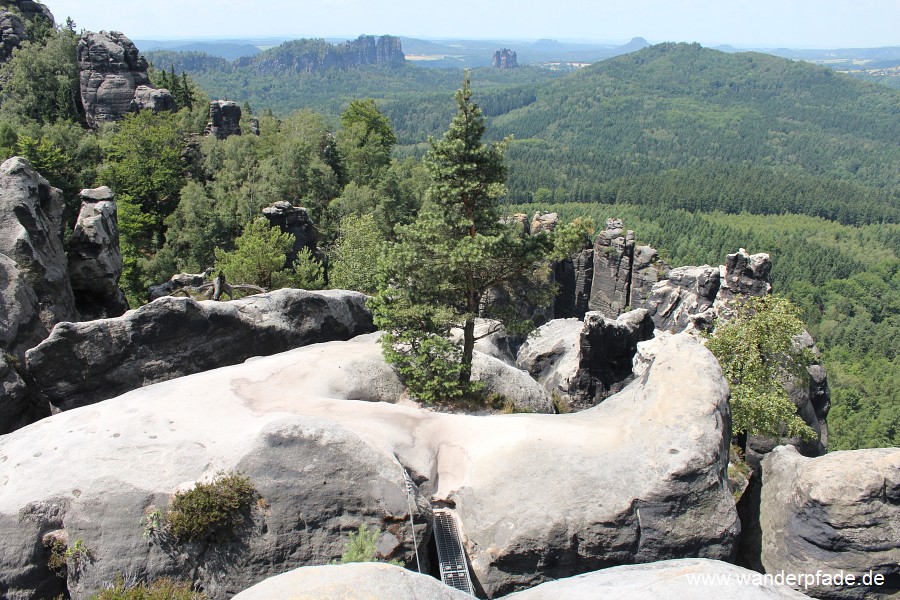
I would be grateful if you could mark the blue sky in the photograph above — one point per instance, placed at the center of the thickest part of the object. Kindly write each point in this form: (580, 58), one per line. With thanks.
(746, 23)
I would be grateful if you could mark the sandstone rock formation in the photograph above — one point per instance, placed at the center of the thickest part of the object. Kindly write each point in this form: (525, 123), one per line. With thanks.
(14, 14)
(20, 323)
(505, 59)
(575, 277)
(31, 229)
(838, 512)
(314, 56)
(682, 579)
(585, 362)
(684, 299)
(83, 363)
(17, 406)
(95, 262)
(224, 119)
(113, 78)
(543, 221)
(354, 580)
(639, 478)
(613, 255)
(296, 221)
(177, 282)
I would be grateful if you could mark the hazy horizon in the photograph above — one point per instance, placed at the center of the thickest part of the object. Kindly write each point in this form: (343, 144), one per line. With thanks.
(825, 24)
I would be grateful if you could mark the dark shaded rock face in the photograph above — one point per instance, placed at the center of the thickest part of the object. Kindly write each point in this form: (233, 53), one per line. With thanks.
(31, 235)
(575, 277)
(83, 363)
(224, 119)
(18, 407)
(613, 256)
(295, 221)
(838, 512)
(20, 323)
(114, 81)
(14, 14)
(585, 362)
(607, 349)
(95, 262)
(505, 59)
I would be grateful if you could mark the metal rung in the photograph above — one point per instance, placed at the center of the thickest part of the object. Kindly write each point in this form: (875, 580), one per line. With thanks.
(451, 556)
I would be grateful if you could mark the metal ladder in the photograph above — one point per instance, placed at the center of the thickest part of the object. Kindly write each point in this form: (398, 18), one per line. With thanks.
(451, 556)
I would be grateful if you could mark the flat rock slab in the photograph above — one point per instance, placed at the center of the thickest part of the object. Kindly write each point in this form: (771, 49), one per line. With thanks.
(638, 478)
(351, 582)
(685, 579)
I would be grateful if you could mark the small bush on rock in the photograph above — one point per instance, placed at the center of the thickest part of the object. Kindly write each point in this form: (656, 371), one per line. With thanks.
(362, 547)
(211, 511)
(161, 589)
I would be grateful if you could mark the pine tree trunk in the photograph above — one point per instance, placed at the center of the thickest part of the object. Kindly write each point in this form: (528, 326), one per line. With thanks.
(468, 350)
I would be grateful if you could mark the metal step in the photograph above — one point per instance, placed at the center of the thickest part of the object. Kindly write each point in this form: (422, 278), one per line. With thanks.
(451, 556)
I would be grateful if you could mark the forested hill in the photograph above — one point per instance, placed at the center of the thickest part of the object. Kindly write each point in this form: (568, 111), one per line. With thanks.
(700, 129)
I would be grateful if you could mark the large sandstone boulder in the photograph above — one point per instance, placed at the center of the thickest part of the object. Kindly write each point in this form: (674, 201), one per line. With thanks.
(585, 362)
(224, 119)
(639, 478)
(835, 513)
(95, 262)
(83, 363)
(31, 234)
(683, 579)
(113, 78)
(348, 582)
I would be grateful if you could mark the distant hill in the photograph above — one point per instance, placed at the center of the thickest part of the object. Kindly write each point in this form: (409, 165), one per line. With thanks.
(703, 129)
(313, 56)
(226, 50)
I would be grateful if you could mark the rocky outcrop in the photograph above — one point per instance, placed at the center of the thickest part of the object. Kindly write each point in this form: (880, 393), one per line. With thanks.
(20, 323)
(113, 79)
(314, 56)
(31, 229)
(543, 221)
(83, 363)
(683, 579)
(585, 362)
(95, 262)
(684, 299)
(505, 59)
(639, 478)
(835, 513)
(14, 14)
(294, 220)
(613, 256)
(575, 277)
(177, 282)
(339, 582)
(224, 119)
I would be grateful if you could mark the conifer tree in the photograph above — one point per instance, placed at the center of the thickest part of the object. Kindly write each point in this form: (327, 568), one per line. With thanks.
(447, 267)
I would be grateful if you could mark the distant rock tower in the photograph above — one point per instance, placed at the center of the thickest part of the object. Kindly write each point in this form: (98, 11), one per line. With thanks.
(505, 59)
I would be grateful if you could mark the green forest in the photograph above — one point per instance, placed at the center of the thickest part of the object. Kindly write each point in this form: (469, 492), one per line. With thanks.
(700, 152)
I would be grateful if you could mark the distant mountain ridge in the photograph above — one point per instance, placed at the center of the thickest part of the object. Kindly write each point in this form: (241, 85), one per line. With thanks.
(316, 55)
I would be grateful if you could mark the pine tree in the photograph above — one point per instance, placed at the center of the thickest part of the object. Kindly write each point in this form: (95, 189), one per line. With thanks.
(446, 268)
(187, 95)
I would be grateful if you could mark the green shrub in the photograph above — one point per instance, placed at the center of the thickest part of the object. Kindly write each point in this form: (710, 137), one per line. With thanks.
(211, 511)
(362, 547)
(161, 589)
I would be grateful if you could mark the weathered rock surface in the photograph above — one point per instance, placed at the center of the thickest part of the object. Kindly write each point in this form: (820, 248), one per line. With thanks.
(224, 119)
(95, 262)
(543, 221)
(680, 579)
(296, 221)
(113, 79)
(20, 323)
(575, 277)
(347, 582)
(17, 406)
(505, 59)
(83, 363)
(585, 362)
(684, 300)
(13, 16)
(644, 274)
(838, 512)
(639, 478)
(177, 282)
(613, 256)
(31, 234)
